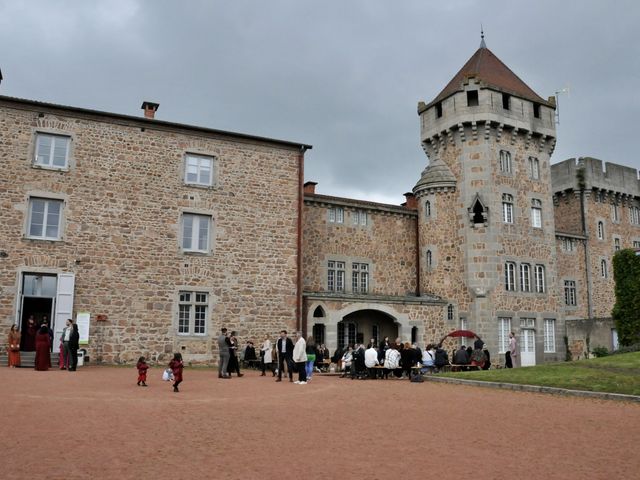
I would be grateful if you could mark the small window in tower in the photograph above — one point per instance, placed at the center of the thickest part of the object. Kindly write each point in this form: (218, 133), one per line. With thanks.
(478, 213)
(506, 101)
(438, 109)
(472, 98)
(536, 110)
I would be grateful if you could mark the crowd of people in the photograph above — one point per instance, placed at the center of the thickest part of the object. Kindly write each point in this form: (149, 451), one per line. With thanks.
(38, 338)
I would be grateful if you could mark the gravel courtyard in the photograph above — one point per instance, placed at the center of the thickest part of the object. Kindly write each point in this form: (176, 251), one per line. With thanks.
(96, 423)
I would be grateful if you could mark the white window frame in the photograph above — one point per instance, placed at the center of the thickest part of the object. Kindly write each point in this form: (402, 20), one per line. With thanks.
(336, 215)
(534, 168)
(504, 329)
(603, 269)
(505, 162)
(568, 244)
(427, 209)
(47, 216)
(359, 217)
(196, 308)
(50, 157)
(570, 293)
(536, 213)
(450, 312)
(525, 277)
(510, 276)
(197, 220)
(636, 244)
(335, 276)
(615, 213)
(200, 160)
(360, 277)
(507, 208)
(616, 244)
(539, 274)
(634, 215)
(600, 230)
(549, 335)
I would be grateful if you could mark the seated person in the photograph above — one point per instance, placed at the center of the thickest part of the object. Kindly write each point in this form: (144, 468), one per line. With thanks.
(442, 358)
(461, 356)
(347, 358)
(391, 360)
(371, 359)
(429, 358)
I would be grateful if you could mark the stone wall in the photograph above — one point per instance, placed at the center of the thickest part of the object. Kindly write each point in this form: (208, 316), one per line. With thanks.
(124, 196)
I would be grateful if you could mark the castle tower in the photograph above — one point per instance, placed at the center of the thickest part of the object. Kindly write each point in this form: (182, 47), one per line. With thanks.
(486, 225)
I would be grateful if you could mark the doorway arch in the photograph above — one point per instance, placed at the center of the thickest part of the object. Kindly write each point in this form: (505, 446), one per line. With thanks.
(360, 326)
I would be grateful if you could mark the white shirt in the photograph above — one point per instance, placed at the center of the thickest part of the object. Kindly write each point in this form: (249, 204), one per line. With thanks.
(370, 357)
(428, 359)
(67, 334)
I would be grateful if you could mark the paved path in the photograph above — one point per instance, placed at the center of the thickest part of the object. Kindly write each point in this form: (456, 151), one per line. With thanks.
(96, 423)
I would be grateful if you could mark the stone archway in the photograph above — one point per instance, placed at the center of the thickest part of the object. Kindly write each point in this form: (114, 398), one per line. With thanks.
(363, 325)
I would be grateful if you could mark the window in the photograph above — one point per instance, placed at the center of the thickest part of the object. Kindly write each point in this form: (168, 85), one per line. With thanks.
(600, 231)
(360, 278)
(359, 217)
(505, 162)
(525, 277)
(568, 244)
(193, 313)
(438, 109)
(507, 208)
(335, 276)
(346, 333)
(506, 101)
(536, 213)
(616, 244)
(472, 98)
(450, 312)
(570, 293)
(504, 328)
(634, 215)
(636, 244)
(536, 110)
(549, 335)
(427, 209)
(319, 333)
(464, 325)
(603, 269)
(375, 333)
(510, 276)
(198, 170)
(539, 273)
(195, 232)
(429, 260)
(45, 216)
(534, 168)
(527, 322)
(615, 212)
(52, 150)
(336, 215)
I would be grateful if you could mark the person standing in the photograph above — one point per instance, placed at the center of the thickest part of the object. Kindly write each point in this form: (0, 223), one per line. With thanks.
(66, 337)
(14, 346)
(300, 358)
(487, 356)
(142, 371)
(223, 351)
(29, 335)
(513, 350)
(284, 347)
(74, 344)
(43, 356)
(311, 356)
(265, 356)
(234, 364)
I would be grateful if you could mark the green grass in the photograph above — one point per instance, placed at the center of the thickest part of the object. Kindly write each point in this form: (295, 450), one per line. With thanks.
(612, 374)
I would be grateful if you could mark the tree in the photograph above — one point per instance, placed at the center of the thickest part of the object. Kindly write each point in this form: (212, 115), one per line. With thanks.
(626, 311)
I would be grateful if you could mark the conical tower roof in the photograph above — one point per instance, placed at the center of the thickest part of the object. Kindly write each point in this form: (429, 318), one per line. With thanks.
(490, 71)
(436, 175)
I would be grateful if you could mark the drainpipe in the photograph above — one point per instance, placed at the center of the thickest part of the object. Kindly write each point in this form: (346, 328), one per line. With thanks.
(301, 324)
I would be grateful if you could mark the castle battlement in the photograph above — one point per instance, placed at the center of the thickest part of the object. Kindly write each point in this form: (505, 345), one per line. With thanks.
(608, 177)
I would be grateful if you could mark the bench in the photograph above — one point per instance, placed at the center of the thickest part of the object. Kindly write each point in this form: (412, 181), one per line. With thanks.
(463, 368)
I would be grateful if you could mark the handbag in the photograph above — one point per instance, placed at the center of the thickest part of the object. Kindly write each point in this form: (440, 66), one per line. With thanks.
(167, 375)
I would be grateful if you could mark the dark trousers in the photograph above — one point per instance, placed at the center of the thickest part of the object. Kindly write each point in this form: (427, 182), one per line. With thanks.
(73, 352)
(67, 361)
(508, 363)
(264, 366)
(302, 371)
(281, 361)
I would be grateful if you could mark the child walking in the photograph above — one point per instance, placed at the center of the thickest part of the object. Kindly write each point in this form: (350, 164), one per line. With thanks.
(176, 367)
(142, 371)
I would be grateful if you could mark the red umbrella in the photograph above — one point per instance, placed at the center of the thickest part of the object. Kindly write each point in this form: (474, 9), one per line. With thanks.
(460, 333)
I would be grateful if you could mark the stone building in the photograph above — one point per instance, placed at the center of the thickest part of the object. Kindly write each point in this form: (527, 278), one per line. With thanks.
(164, 232)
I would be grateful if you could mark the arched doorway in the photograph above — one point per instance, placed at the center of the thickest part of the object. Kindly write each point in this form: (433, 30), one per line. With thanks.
(363, 325)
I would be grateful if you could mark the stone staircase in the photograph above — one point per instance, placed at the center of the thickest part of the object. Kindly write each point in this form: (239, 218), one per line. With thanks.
(28, 359)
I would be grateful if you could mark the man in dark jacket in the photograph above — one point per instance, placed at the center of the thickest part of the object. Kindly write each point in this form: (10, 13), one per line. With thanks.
(284, 346)
(442, 358)
(461, 357)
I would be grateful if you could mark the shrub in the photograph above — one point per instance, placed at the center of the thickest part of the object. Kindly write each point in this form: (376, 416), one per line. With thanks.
(600, 351)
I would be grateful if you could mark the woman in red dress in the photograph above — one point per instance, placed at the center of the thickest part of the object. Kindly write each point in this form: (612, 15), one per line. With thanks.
(176, 367)
(29, 335)
(43, 358)
(14, 347)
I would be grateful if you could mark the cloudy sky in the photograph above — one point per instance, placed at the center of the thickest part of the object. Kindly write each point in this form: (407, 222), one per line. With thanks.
(342, 75)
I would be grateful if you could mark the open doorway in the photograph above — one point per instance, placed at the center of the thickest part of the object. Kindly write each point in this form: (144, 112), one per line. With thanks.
(41, 308)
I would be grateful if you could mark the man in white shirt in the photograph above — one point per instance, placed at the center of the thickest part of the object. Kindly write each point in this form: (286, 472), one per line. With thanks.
(300, 358)
(371, 360)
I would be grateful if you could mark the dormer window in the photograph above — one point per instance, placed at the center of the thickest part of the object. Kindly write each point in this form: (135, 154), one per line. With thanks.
(536, 110)
(438, 109)
(506, 101)
(472, 98)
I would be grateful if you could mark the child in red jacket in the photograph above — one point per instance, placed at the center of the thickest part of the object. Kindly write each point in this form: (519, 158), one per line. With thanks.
(142, 371)
(176, 367)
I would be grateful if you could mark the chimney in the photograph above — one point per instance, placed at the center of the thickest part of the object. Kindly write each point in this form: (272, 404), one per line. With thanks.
(150, 109)
(310, 188)
(411, 203)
